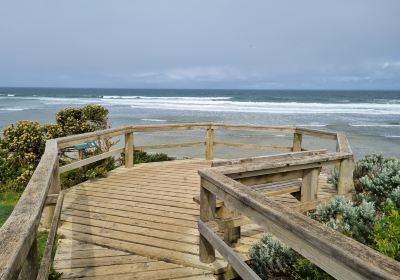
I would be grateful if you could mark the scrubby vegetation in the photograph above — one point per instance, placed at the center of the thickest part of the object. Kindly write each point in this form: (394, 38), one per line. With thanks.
(372, 218)
(143, 157)
(23, 143)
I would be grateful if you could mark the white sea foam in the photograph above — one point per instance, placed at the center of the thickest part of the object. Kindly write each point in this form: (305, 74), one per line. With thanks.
(392, 136)
(375, 125)
(227, 104)
(167, 97)
(13, 109)
(153, 120)
(312, 125)
(11, 95)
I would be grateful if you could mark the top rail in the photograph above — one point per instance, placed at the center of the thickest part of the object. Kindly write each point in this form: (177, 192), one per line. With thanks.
(17, 235)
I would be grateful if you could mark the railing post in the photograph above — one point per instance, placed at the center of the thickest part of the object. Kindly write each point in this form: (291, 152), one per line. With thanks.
(309, 187)
(297, 140)
(129, 150)
(207, 213)
(55, 188)
(30, 267)
(345, 176)
(210, 144)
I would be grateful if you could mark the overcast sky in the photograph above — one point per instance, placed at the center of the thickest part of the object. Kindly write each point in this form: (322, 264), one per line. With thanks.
(201, 44)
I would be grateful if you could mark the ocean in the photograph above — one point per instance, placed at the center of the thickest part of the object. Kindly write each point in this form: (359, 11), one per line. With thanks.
(371, 119)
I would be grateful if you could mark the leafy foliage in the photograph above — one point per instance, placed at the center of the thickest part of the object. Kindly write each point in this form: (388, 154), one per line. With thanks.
(354, 220)
(82, 120)
(304, 269)
(143, 157)
(377, 177)
(271, 258)
(333, 179)
(22, 146)
(386, 234)
(20, 150)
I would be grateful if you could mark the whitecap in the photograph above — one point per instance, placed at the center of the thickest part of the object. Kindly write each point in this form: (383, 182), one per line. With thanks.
(153, 120)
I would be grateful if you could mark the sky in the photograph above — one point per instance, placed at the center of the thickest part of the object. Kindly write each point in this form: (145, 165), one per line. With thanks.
(285, 44)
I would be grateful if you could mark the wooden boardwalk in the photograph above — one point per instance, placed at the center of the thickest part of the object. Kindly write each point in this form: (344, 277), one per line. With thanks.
(141, 223)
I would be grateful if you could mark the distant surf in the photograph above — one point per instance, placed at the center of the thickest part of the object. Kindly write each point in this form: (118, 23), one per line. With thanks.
(371, 118)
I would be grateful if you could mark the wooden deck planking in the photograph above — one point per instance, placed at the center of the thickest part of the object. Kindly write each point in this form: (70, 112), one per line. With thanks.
(141, 223)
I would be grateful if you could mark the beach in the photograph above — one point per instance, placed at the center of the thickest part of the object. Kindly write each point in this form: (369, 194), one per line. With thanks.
(371, 119)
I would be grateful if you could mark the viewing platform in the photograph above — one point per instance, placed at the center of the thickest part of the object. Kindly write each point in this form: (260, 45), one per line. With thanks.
(185, 219)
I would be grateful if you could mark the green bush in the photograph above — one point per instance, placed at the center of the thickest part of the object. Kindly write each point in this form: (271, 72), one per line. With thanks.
(304, 269)
(143, 157)
(20, 150)
(386, 234)
(354, 220)
(333, 179)
(377, 177)
(270, 258)
(22, 146)
(82, 120)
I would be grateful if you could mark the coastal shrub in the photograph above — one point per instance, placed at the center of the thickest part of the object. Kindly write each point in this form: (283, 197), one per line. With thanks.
(81, 120)
(394, 197)
(303, 269)
(333, 179)
(23, 143)
(386, 234)
(270, 258)
(21, 147)
(352, 219)
(380, 177)
(143, 157)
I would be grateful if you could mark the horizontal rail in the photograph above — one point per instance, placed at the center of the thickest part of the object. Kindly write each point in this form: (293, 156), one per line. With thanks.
(248, 127)
(174, 145)
(271, 166)
(89, 160)
(317, 133)
(253, 146)
(227, 252)
(69, 141)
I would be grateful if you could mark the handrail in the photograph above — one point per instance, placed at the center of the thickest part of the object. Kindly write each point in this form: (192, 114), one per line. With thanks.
(340, 256)
(18, 252)
(19, 231)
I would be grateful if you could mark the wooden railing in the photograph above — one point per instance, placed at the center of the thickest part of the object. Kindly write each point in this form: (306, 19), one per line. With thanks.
(231, 182)
(42, 199)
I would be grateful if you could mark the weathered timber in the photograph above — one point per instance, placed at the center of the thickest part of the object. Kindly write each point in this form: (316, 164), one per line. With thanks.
(233, 259)
(89, 160)
(17, 235)
(47, 255)
(210, 144)
(172, 145)
(253, 146)
(340, 256)
(262, 159)
(207, 213)
(129, 150)
(297, 140)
